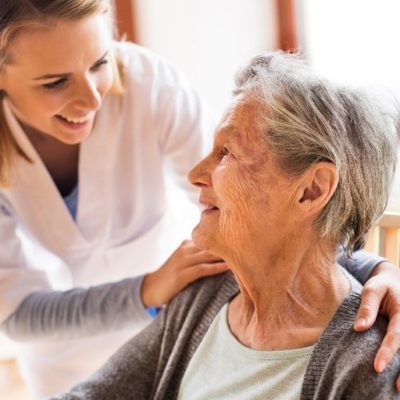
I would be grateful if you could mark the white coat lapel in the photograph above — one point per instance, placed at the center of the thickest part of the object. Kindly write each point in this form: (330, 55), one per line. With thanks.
(95, 176)
(36, 197)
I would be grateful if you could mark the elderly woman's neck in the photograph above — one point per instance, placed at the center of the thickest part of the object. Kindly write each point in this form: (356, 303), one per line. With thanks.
(286, 301)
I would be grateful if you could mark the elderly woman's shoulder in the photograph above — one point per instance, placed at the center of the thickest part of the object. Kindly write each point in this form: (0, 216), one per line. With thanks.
(220, 287)
(343, 359)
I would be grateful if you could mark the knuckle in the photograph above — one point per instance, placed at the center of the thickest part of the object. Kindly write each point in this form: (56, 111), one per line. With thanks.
(393, 337)
(369, 289)
(367, 308)
(386, 352)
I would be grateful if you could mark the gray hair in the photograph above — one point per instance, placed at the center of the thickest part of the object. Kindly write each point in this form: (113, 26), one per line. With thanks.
(304, 119)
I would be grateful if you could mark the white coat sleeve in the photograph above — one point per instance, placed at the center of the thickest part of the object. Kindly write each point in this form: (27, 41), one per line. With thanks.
(16, 279)
(185, 130)
(30, 310)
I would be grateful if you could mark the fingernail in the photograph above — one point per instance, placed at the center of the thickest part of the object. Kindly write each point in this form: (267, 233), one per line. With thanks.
(381, 365)
(361, 323)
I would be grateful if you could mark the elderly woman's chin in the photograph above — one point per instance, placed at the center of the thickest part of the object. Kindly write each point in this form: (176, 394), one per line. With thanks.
(203, 236)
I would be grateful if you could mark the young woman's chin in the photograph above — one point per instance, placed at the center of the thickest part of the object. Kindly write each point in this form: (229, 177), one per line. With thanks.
(70, 133)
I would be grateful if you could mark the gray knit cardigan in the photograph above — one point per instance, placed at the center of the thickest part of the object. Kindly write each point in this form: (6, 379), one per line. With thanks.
(151, 365)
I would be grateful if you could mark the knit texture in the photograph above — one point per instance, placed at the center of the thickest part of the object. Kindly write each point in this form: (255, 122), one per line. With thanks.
(152, 364)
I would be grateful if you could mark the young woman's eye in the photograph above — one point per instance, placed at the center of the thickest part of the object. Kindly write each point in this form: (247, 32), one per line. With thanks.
(99, 65)
(55, 85)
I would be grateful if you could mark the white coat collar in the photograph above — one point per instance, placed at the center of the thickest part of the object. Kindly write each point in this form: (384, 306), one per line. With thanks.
(32, 183)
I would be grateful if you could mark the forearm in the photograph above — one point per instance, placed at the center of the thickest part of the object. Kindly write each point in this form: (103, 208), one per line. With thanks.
(361, 264)
(383, 266)
(80, 312)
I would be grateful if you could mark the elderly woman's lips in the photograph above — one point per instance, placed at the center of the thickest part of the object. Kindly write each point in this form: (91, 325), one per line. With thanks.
(209, 209)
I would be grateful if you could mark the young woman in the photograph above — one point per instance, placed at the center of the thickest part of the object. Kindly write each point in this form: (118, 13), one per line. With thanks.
(89, 127)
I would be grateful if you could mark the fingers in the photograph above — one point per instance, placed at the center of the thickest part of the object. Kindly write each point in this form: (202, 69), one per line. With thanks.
(371, 298)
(193, 255)
(203, 257)
(398, 383)
(389, 346)
(202, 270)
(187, 264)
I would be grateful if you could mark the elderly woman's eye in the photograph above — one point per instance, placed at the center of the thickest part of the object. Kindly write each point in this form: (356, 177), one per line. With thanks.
(224, 152)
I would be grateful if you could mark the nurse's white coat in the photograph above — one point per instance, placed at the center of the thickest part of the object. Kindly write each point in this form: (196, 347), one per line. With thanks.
(123, 216)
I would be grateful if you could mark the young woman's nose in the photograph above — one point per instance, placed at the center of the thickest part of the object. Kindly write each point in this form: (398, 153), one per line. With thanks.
(89, 97)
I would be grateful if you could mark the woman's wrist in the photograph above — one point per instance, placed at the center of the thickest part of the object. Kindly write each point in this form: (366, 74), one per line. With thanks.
(147, 291)
(383, 266)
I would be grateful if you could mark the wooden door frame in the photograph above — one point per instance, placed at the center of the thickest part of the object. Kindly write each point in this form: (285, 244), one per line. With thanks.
(287, 31)
(125, 19)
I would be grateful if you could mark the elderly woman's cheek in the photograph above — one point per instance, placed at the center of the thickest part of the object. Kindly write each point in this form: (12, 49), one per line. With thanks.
(238, 212)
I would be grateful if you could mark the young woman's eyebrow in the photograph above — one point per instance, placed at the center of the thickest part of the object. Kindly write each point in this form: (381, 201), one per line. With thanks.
(65, 74)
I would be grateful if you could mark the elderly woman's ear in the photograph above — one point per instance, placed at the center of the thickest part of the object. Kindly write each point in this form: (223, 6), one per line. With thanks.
(316, 188)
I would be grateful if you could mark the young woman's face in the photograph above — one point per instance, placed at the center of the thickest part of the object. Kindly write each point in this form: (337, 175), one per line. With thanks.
(56, 77)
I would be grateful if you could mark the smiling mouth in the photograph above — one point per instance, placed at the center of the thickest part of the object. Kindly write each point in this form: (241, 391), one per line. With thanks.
(73, 121)
(210, 208)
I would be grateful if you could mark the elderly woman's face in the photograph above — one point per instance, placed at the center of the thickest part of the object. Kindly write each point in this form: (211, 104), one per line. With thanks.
(245, 194)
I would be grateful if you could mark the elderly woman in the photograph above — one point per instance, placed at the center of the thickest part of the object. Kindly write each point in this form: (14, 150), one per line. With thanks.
(298, 167)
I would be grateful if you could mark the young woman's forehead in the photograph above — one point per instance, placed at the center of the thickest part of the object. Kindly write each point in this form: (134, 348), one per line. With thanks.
(61, 45)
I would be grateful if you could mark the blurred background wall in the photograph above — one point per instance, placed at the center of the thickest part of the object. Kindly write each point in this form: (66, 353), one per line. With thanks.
(207, 39)
(350, 41)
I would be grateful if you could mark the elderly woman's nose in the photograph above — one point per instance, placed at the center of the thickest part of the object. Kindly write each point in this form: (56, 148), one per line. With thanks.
(199, 175)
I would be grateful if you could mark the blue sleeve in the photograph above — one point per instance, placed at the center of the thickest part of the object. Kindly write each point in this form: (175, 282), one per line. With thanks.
(153, 311)
(360, 264)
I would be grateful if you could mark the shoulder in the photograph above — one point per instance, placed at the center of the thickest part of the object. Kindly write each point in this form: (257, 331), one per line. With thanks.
(203, 291)
(139, 63)
(202, 299)
(342, 361)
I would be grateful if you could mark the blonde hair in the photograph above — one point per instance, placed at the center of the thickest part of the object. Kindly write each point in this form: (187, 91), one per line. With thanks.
(16, 15)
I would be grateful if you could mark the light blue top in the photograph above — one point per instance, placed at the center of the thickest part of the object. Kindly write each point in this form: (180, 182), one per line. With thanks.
(71, 201)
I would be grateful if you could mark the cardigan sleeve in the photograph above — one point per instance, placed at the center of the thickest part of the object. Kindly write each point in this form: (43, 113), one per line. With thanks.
(129, 374)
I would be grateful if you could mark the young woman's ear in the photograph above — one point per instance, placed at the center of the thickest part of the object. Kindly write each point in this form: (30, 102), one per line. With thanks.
(318, 186)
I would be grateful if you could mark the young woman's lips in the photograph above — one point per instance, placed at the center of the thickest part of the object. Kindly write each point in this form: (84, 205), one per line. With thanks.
(74, 123)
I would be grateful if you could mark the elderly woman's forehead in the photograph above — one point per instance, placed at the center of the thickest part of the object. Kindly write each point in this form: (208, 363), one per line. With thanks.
(240, 110)
(240, 119)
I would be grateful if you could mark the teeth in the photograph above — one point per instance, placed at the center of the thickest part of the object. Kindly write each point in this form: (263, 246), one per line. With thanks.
(75, 120)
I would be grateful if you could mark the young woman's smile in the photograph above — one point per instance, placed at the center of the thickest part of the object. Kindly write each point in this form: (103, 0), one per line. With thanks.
(62, 76)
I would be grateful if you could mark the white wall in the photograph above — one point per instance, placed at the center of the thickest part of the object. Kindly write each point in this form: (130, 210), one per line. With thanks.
(207, 39)
(356, 42)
